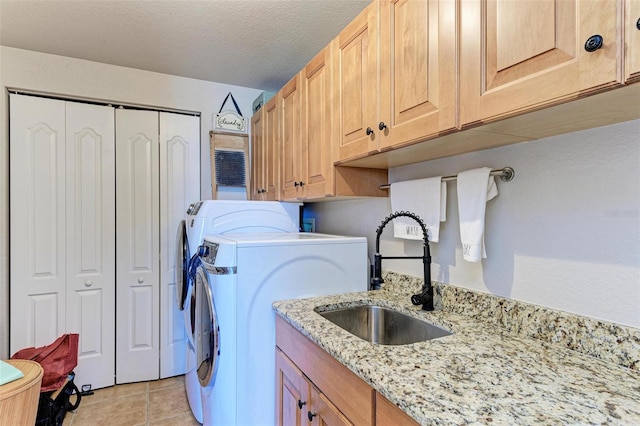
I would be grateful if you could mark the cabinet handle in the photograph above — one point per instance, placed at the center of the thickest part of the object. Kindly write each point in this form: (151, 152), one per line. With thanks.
(369, 131)
(301, 403)
(382, 126)
(593, 43)
(311, 415)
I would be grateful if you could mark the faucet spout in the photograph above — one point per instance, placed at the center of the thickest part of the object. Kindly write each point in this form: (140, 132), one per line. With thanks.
(425, 297)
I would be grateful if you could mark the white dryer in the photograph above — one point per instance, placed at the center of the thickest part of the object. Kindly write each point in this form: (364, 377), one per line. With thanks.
(241, 276)
(219, 217)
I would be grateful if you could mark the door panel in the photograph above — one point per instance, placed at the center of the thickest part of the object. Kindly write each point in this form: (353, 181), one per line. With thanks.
(289, 109)
(272, 151)
(517, 56)
(257, 150)
(417, 70)
(292, 393)
(37, 220)
(317, 142)
(138, 246)
(90, 229)
(356, 84)
(179, 187)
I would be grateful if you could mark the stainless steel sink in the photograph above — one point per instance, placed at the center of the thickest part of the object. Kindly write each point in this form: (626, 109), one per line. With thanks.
(383, 326)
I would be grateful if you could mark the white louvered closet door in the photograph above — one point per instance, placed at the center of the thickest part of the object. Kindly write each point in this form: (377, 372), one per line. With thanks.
(179, 187)
(138, 246)
(37, 221)
(90, 237)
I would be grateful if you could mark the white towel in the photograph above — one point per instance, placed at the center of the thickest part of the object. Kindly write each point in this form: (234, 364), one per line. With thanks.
(425, 197)
(475, 188)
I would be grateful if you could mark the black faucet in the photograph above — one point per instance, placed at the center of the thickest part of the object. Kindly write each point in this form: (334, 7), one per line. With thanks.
(425, 297)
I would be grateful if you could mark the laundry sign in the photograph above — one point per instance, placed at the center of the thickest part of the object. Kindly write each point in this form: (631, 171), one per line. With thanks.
(229, 119)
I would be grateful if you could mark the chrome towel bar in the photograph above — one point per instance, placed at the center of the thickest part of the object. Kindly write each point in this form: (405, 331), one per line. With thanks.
(506, 175)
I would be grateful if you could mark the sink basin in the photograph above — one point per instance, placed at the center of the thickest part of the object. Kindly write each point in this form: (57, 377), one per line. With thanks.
(384, 326)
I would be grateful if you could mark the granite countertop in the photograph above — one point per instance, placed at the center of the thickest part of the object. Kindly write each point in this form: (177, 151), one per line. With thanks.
(481, 374)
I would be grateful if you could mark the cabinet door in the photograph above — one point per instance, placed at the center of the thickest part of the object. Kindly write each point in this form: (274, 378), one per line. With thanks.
(90, 230)
(137, 246)
(257, 150)
(179, 187)
(355, 84)
(632, 40)
(292, 393)
(289, 109)
(324, 413)
(38, 225)
(317, 143)
(271, 161)
(417, 70)
(522, 55)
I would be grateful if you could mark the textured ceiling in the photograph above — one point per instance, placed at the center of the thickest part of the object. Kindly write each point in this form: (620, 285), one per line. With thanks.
(253, 43)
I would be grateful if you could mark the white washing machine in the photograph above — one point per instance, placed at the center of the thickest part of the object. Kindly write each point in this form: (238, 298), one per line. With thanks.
(219, 217)
(240, 277)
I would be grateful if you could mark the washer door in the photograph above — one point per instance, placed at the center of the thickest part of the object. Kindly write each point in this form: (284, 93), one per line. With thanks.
(207, 331)
(182, 265)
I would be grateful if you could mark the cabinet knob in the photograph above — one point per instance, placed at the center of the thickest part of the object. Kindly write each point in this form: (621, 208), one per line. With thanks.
(301, 184)
(295, 183)
(382, 126)
(593, 43)
(638, 24)
(301, 403)
(311, 415)
(369, 131)
(140, 280)
(88, 283)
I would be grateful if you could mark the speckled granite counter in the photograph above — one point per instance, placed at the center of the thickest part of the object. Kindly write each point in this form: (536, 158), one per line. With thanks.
(484, 373)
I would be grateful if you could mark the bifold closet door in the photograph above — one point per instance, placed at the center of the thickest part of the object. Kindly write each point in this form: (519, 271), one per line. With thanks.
(179, 187)
(62, 223)
(90, 236)
(137, 245)
(37, 221)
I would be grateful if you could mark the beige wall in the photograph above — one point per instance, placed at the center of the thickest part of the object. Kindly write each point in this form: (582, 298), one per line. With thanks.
(22, 69)
(565, 233)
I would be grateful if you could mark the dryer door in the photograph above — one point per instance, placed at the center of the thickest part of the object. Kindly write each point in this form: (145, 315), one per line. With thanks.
(207, 331)
(182, 265)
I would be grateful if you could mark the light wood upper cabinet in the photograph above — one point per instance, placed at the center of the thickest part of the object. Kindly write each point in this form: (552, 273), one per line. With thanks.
(395, 76)
(417, 70)
(265, 166)
(355, 84)
(257, 149)
(316, 149)
(289, 107)
(272, 151)
(632, 40)
(517, 56)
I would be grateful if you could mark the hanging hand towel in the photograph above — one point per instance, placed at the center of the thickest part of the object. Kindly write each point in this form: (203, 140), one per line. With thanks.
(475, 188)
(425, 197)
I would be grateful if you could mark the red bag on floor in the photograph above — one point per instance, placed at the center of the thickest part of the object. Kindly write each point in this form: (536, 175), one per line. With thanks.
(57, 360)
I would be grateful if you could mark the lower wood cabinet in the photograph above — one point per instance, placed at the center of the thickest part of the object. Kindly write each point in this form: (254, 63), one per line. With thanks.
(313, 388)
(298, 401)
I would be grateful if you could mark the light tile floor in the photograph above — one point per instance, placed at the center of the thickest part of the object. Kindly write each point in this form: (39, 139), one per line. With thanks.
(160, 402)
